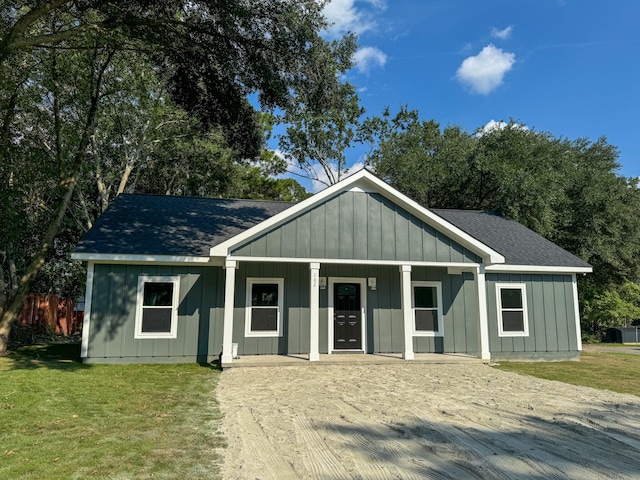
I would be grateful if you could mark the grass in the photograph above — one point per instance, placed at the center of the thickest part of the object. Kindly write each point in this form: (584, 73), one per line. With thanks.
(617, 372)
(61, 419)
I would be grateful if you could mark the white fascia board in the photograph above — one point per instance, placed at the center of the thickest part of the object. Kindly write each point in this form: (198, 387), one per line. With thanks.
(349, 261)
(536, 269)
(121, 258)
(363, 181)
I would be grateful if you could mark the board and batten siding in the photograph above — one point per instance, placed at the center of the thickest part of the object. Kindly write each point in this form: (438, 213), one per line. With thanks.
(551, 314)
(384, 328)
(113, 310)
(358, 226)
(295, 317)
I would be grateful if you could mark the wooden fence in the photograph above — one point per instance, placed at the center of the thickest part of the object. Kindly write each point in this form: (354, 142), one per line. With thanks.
(51, 314)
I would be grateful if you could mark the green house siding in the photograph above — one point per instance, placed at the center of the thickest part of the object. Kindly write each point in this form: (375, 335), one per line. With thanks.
(113, 309)
(459, 310)
(384, 329)
(551, 316)
(294, 317)
(359, 226)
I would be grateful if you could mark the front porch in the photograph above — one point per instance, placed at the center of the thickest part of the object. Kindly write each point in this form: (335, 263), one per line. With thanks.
(256, 361)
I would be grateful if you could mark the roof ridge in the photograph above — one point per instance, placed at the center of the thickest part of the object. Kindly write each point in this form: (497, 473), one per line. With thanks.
(193, 197)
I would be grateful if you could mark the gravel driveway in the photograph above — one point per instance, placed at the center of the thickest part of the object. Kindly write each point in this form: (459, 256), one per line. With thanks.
(422, 421)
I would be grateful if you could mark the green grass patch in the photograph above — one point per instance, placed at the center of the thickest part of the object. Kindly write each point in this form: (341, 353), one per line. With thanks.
(64, 420)
(617, 372)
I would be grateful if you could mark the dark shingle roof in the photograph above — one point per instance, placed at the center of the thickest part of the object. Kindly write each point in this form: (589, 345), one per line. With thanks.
(518, 244)
(163, 225)
(188, 226)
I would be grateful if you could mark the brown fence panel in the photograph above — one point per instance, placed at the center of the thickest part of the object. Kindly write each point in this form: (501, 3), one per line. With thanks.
(51, 314)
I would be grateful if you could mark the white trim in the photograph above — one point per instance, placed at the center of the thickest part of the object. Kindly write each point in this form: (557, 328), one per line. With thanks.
(407, 311)
(142, 279)
(483, 315)
(121, 258)
(576, 311)
(525, 317)
(342, 261)
(427, 333)
(229, 303)
(537, 269)
(249, 308)
(367, 182)
(314, 312)
(363, 310)
(86, 319)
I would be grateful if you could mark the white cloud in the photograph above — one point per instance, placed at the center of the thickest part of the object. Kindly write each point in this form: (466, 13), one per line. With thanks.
(492, 125)
(368, 57)
(344, 16)
(484, 72)
(502, 34)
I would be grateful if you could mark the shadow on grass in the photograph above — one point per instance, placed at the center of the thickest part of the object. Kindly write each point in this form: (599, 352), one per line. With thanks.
(53, 356)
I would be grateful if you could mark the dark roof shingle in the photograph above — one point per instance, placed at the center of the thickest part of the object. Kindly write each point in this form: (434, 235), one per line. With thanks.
(518, 244)
(178, 226)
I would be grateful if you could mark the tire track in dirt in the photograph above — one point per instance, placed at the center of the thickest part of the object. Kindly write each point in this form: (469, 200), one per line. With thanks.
(557, 445)
(261, 450)
(319, 459)
(401, 452)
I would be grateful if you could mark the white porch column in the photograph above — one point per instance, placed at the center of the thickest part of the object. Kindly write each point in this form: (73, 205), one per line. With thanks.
(229, 294)
(407, 311)
(314, 312)
(483, 326)
(576, 309)
(86, 320)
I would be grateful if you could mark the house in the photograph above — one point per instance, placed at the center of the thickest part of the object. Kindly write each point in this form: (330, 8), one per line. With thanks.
(358, 267)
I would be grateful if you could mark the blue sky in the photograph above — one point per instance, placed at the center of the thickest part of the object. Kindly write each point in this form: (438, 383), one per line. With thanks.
(568, 67)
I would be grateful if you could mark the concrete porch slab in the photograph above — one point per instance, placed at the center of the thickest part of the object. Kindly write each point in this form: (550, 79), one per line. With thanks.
(254, 361)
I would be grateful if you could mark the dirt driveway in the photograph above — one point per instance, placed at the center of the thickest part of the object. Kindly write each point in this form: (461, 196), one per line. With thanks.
(422, 421)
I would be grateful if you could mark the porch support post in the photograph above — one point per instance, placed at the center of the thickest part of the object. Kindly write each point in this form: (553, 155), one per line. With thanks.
(86, 319)
(576, 309)
(314, 312)
(483, 327)
(407, 312)
(229, 294)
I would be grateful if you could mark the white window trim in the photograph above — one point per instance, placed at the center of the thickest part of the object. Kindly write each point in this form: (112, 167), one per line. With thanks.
(525, 316)
(142, 279)
(426, 333)
(247, 315)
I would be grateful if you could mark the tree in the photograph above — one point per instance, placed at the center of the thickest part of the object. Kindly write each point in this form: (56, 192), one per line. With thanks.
(322, 123)
(212, 55)
(566, 190)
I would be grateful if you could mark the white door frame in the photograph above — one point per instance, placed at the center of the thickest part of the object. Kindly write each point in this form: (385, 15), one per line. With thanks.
(363, 308)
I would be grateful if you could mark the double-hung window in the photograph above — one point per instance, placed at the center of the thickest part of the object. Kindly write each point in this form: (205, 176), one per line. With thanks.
(427, 309)
(264, 307)
(512, 310)
(157, 307)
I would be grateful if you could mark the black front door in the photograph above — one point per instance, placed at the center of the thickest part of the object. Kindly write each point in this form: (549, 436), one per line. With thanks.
(347, 323)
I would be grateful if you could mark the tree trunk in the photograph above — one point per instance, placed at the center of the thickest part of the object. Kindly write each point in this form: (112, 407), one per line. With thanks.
(10, 316)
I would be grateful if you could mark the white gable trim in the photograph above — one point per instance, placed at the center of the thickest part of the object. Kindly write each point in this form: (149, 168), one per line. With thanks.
(367, 182)
(536, 269)
(122, 258)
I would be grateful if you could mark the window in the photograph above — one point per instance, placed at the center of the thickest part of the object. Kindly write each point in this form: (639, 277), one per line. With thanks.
(512, 310)
(427, 309)
(157, 307)
(264, 307)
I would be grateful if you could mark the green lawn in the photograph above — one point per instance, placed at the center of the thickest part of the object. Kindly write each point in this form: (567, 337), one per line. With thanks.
(61, 419)
(617, 372)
